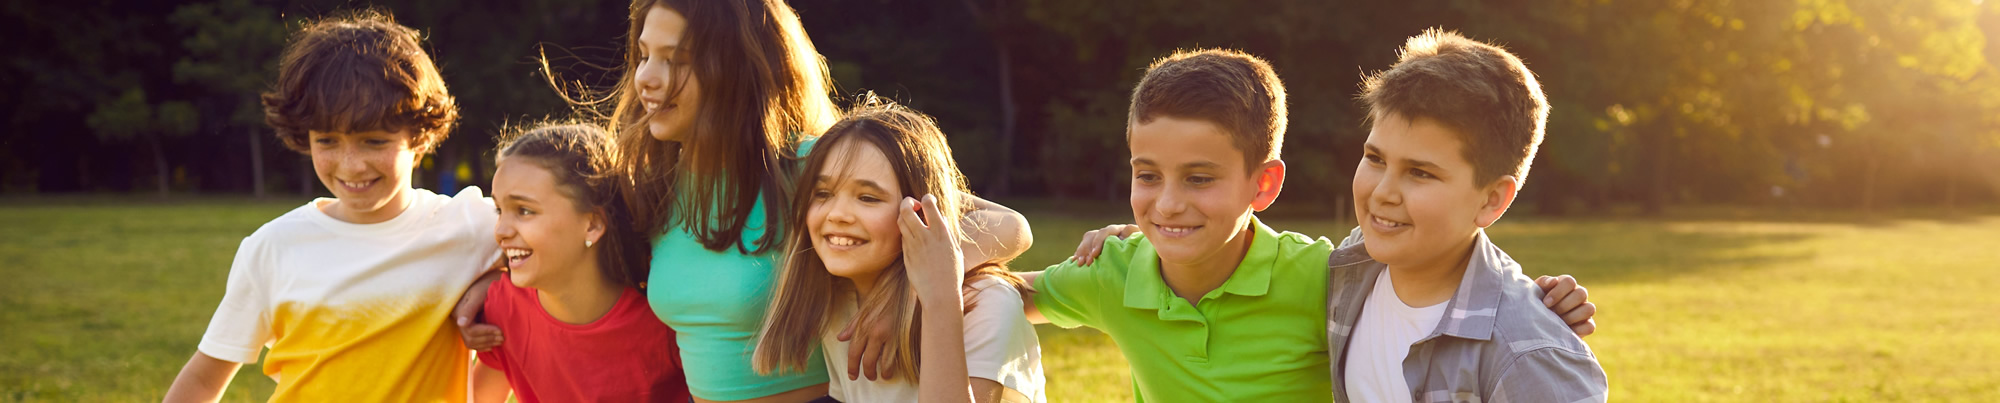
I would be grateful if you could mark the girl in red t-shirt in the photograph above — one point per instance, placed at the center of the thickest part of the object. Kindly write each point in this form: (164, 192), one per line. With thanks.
(577, 325)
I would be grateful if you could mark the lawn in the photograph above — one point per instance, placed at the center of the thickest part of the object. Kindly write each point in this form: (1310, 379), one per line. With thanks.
(103, 301)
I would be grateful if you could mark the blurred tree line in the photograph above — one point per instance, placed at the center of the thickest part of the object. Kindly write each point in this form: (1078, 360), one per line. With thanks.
(1839, 103)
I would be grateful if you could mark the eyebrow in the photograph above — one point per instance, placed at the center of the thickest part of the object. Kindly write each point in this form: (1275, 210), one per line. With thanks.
(862, 182)
(1189, 165)
(517, 197)
(666, 49)
(1415, 163)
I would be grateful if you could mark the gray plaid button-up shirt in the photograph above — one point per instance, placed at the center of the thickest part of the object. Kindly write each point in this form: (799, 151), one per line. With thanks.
(1497, 342)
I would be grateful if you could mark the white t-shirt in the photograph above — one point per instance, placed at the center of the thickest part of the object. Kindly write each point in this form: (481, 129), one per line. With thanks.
(1000, 345)
(1381, 340)
(342, 305)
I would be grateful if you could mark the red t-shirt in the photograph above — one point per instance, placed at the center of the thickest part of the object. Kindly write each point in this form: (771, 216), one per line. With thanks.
(625, 356)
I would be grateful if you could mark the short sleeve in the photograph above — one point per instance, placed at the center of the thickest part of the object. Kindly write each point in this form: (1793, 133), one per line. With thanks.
(481, 217)
(242, 322)
(1553, 375)
(998, 338)
(1070, 295)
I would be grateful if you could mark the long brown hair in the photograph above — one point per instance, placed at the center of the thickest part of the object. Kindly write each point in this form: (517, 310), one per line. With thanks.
(805, 292)
(579, 156)
(764, 89)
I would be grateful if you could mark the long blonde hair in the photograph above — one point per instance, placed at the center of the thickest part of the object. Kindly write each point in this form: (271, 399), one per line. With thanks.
(804, 298)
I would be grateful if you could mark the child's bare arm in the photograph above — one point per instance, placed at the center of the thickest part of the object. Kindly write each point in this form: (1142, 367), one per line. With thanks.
(202, 380)
(489, 385)
(934, 265)
(999, 234)
(1028, 297)
(477, 336)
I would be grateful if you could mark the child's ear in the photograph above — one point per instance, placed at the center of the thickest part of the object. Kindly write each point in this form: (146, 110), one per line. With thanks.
(1499, 196)
(1270, 179)
(595, 231)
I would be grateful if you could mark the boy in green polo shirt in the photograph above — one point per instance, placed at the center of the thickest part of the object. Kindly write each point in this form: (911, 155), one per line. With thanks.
(1210, 304)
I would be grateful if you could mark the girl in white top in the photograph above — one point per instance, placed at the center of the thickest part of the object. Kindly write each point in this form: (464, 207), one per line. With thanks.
(868, 251)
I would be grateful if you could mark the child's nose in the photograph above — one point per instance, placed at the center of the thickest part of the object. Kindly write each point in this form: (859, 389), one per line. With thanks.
(841, 212)
(1386, 192)
(1171, 202)
(652, 76)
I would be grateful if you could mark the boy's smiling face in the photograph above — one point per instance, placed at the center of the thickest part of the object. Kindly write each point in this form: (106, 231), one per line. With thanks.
(1415, 196)
(368, 171)
(1191, 192)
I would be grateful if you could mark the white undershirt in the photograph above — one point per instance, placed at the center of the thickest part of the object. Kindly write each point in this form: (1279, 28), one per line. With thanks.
(1381, 340)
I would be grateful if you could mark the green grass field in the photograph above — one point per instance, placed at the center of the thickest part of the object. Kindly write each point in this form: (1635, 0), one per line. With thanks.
(103, 301)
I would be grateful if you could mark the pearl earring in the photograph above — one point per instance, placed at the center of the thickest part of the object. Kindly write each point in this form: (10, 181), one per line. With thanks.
(586, 243)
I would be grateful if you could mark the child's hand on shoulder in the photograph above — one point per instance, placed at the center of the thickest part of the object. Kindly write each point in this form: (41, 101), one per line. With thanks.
(931, 256)
(1093, 242)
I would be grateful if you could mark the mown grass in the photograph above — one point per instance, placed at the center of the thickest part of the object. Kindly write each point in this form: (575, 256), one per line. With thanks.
(103, 301)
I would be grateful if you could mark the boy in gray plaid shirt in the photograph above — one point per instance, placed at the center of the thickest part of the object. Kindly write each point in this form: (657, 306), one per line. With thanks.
(1424, 307)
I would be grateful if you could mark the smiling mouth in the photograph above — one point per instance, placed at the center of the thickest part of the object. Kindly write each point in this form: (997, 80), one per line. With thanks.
(844, 242)
(358, 185)
(517, 256)
(1176, 231)
(1385, 224)
(655, 106)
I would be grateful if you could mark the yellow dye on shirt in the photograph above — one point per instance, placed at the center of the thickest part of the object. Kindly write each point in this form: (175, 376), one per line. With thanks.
(398, 349)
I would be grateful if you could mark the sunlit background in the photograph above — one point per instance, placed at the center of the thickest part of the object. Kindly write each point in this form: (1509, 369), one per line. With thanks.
(1769, 199)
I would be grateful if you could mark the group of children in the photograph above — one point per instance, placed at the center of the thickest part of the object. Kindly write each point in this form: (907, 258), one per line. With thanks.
(637, 258)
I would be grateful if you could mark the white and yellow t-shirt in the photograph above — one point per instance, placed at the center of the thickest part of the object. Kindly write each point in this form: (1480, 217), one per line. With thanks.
(357, 312)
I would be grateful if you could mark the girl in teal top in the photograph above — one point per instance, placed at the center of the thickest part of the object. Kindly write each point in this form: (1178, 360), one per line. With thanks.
(717, 101)
(714, 98)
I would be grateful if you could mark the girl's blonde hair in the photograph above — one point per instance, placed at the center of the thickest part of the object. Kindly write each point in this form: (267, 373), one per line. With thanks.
(805, 293)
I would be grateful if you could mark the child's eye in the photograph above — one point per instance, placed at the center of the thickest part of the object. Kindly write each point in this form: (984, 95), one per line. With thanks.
(378, 142)
(1421, 174)
(323, 141)
(1199, 180)
(870, 199)
(524, 211)
(821, 194)
(1147, 177)
(1372, 159)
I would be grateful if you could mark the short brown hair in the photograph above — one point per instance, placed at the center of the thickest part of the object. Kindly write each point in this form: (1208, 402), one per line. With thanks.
(360, 71)
(1483, 93)
(1234, 90)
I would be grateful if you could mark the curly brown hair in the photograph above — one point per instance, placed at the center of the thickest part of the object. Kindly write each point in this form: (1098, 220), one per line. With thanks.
(358, 71)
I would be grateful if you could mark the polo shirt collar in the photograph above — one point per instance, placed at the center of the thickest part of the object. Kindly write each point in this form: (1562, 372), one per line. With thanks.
(1476, 304)
(1145, 288)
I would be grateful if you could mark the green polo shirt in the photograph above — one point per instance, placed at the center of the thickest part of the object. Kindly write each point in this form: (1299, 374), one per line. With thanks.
(1261, 336)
